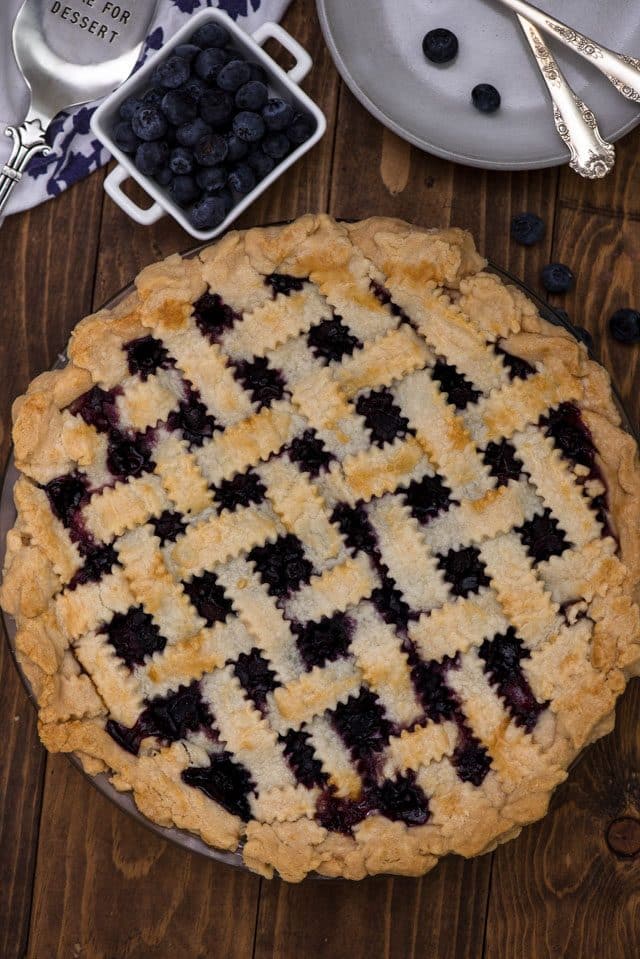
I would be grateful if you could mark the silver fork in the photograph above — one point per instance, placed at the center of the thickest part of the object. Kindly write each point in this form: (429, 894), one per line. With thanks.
(590, 155)
(621, 70)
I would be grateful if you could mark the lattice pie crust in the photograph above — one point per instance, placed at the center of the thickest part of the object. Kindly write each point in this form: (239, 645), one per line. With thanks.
(327, 546)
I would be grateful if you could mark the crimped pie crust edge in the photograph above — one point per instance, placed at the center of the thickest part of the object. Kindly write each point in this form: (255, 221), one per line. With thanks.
(476, 823)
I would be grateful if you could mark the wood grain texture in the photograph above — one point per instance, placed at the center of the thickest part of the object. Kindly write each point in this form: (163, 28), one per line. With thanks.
(79, 878)
(109, 888)
(36, 319)
(559, 890)
(441, 915)
(617, 192)
(161, 900)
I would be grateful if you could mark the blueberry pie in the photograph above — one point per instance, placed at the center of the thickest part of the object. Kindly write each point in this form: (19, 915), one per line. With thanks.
(327, 548)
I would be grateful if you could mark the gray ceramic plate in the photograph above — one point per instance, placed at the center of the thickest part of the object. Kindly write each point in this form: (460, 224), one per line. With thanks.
(377, 47)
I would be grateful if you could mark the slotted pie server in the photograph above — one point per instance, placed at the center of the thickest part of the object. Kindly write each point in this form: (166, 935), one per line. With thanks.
(69, 52)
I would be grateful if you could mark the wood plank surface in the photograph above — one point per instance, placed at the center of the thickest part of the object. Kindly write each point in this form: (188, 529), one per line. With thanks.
(57, 241)
(559, 889)
(80, 879)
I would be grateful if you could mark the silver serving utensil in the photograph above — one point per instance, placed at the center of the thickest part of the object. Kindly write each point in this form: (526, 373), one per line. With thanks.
(591, 155)
(69, 52)
(621, 70)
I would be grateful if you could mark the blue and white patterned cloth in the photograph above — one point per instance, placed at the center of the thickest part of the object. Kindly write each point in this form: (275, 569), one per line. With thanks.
(76, 152)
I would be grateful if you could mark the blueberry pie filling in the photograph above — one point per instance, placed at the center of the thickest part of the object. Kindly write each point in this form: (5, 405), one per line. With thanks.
(320, 577)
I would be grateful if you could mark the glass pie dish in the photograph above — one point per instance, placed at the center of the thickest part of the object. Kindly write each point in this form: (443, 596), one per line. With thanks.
(125, 800)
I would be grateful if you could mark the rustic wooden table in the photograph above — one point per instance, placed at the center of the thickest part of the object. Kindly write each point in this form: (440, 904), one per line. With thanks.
(78, 878)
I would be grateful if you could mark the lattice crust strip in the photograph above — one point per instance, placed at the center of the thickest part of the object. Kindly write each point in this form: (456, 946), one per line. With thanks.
(333, 591)
(384, 666)
(274, 323)
(248, 442)
(301, 509)
(312, 693)
(419, 747)
(334, 757)
(442, 435)
(154, 588)
(406, 554)
(521, 593)
(514, 755)
(474, 521)
(369, 533)
(555, 484)
(264, 621)
(459, 626)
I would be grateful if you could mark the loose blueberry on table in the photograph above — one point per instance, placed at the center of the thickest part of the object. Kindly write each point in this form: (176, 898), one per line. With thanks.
(207, 129)
(624, 326)
(527, 228)
(557, 278)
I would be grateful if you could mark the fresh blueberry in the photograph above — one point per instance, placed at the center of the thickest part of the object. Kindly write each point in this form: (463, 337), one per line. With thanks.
(151, 156)
(248, 126)
(277, 114)
(301, 129)
(527, 228)
(557, 278)
(189, 133)
(208, 213)
(172, 73)
(226, 197)
(211, 178)
(211, 35)
(242, 179)
(260, 163)
(211, 150)
(188, 51)
(209, 63)
(233, 75)
(164, 176)
(194, 87)
(624, 326)
(440, 45)
(485, 98)
(216, 107)
(276, 145)
(184, 190)
(252, 96)
(125, 138)
(181, 161)
(238, 149)
(178, 107)
(153, 96)
(257, 72)
(149, 123)
(128, 107)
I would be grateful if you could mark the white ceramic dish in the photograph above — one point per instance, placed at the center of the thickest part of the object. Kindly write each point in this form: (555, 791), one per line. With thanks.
(377, 47)
(281, 83)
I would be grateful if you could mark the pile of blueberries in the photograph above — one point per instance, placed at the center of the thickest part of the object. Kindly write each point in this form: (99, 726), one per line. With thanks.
(207, 130)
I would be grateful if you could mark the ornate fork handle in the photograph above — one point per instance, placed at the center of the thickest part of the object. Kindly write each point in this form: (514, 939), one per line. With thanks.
(28, 139)
(591, 156)
(621, 70)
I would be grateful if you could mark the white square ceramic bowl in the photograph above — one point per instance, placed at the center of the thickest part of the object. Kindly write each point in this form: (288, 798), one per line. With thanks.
(280, 83)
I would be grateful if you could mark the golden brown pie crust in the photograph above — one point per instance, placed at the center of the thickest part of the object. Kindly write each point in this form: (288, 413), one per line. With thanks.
(576, 613)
